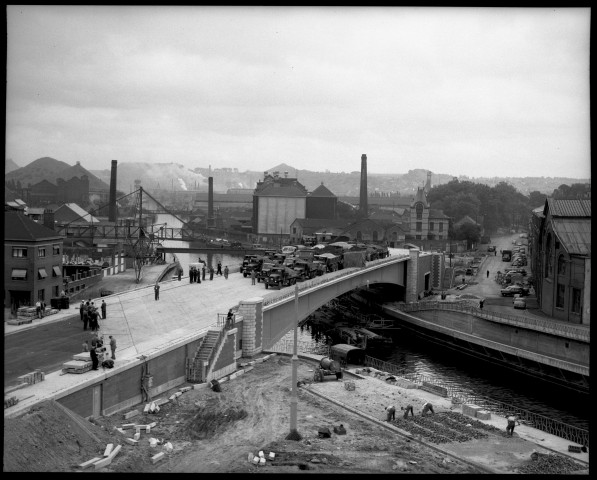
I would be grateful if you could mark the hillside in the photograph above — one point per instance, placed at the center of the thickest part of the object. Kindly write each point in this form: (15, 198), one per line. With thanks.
(10, 165)
(50, 169)
(176, 177)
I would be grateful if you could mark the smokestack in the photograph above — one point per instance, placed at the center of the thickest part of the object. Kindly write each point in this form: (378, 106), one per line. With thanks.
(363, 208)
(210, 203)
(49, 218)
(112, 205)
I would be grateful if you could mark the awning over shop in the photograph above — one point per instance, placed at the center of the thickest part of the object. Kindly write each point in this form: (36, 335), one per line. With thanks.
(57, 271)
(19, 273)
(42, 273)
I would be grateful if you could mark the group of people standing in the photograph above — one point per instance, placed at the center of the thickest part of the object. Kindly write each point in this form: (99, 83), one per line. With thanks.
(196, 274)
(96, 347)
(40, 308)
(90, 314)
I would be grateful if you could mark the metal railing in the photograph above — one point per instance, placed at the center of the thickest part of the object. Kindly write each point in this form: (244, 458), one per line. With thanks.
(575, 332)
(328, 277)
(540, 422)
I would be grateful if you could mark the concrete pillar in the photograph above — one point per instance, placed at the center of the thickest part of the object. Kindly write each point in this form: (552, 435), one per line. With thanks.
(412, 276)
(252, 312)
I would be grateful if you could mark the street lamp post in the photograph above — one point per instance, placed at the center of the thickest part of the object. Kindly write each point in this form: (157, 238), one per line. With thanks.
(294, 435)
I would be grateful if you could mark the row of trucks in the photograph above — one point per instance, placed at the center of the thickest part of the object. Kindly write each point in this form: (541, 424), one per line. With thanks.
(293, 264)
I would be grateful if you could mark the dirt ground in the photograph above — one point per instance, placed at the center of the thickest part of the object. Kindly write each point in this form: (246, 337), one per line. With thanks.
(216, 431)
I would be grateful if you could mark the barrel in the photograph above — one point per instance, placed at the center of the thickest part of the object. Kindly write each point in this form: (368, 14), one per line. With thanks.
(329, 364)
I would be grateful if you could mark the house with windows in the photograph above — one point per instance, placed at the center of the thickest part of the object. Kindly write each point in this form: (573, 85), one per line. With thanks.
(561, 252)
(32, 261)
(426, 223)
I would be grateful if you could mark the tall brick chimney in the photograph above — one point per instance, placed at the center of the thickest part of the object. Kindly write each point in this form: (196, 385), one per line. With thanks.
(211, 221)
(363, 208)
(49, 218)
(112, 205)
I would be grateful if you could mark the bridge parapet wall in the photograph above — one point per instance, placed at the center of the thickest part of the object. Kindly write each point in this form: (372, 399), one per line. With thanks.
(252, 332)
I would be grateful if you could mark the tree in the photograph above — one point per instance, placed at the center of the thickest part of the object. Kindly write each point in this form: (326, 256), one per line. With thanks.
(469, 232)
(536, 199)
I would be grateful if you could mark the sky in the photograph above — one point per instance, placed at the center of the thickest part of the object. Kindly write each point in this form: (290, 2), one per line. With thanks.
(475, 91)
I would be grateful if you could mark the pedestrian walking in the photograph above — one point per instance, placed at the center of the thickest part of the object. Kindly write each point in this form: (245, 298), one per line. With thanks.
(104, 306)
(481, 304)
(38, 309)
(219, 272)
(487, 273)
(409, 408)
(197, 275)
(43, 308)
(113, 347)
(203, 271)
(391, 412)
(192, 274)
(86, 346)
(82, 308)
(495, 253)
(156, 290)
(211, 273)
(427, 407)
(226, 272)
(93, 354)
(253, 277)
(85, 315)
(229, 319)
(512, 421)
(179, 274)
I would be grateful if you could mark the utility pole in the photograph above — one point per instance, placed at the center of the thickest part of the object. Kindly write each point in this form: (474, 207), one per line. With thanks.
(294, 435)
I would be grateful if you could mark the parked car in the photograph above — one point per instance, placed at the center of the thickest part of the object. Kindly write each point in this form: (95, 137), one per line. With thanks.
(491, 248)
(519, 303)
(511, 290)
(236, 244)
(513, 271)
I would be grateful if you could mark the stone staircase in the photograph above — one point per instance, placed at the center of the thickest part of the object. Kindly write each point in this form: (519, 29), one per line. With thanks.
(199, 367)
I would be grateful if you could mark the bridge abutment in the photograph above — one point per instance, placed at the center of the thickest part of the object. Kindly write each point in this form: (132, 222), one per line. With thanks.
(412, 275)
(252, 334)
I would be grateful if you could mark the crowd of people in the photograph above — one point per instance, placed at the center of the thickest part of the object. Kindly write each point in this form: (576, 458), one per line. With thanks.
(90, 314)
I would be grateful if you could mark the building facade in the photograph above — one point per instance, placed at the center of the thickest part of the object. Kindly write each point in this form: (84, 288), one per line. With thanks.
(561, 258)
(32, 261)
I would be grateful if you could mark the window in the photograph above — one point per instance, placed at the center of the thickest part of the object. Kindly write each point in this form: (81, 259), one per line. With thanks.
(19, 274)
(41, 294)
(56, 291)
(293, 229)
(41, 252)
(19, 252)
(56, 271)
(419, 226)
(41, 273)
(548, 260)
(441, 227)
(440, 237)
(418, 237)
(561, 265)
(419, 210)
(576, 300)
(431, 226)
(56, 249)
(560, 296)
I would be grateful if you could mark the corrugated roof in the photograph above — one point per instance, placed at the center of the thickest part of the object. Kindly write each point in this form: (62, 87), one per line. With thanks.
(82, 213)
(569, 208)
(574, 234)
(19, 227)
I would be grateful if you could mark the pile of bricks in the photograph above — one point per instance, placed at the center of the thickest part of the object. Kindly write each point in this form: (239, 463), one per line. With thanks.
(9, 402)
(476, 411)
(99, 462)
(32, 377)
(261, 458)
(437, 390)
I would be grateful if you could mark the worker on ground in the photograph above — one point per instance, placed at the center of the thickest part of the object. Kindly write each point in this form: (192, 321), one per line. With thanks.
(253, 277)
(226, 272)
(38, 309)
(93, 354)
(229, 319)
(103, 309)
(487, 273)
(211, 273)
(219, 271)
(391, 412)
(156, 290)
(427, 407)
(203, 270)
(512, 421)
(409, 408)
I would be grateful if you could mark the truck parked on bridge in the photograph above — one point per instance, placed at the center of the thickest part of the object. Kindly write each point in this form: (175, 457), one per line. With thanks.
(330, 261)
(304, 269)
(250, 263)
(280, 276)
(266, 268)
